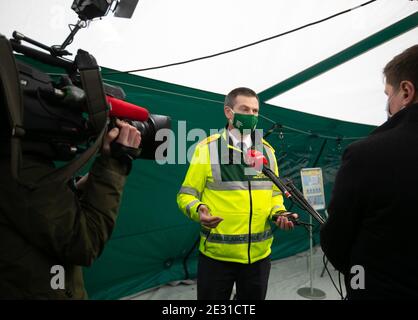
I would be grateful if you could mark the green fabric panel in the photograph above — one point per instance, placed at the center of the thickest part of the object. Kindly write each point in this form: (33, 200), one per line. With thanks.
(152, 237)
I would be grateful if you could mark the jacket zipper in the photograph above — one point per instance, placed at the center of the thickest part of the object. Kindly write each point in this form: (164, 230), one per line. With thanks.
(249, 225)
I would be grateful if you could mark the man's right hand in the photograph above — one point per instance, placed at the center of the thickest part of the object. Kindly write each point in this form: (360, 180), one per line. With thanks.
(206, 219)
(125, 134)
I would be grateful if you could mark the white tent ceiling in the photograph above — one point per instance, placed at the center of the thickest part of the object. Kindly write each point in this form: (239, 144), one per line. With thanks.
(162, 32)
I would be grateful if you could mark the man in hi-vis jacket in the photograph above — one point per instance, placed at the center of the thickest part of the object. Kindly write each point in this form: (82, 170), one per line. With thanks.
(233, 207)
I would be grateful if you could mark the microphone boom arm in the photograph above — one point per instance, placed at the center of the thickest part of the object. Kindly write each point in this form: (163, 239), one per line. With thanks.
(292, 193)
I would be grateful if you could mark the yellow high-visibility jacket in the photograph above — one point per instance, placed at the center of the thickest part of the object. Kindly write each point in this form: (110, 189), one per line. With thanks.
(246, 200)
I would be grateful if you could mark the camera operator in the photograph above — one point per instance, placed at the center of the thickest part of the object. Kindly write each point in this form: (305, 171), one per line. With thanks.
(58, 225)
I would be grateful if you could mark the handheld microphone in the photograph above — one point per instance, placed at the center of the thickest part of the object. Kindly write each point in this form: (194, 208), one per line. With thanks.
(255, 159)
(126, 110)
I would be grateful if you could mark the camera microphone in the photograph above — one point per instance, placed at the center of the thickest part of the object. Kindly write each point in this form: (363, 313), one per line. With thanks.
(125, 110)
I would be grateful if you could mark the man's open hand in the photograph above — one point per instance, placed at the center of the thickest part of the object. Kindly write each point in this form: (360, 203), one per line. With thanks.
(206, 219)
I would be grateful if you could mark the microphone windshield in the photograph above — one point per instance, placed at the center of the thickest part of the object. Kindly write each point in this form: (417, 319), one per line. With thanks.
(255, 159)
(125, 110)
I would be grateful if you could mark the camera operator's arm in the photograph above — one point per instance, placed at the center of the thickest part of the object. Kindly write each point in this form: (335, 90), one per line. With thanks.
(52, 218)
(102, 194)
(123, 140)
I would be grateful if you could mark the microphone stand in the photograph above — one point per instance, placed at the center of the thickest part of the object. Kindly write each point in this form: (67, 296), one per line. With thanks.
(291, 192)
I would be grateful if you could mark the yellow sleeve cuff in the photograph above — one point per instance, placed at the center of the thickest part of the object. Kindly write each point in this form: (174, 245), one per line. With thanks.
(191, 210)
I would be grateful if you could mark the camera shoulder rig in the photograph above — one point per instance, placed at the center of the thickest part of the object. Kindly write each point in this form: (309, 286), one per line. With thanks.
(96, 107)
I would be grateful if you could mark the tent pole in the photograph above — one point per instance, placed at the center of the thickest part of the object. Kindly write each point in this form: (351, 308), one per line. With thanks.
(347, 54)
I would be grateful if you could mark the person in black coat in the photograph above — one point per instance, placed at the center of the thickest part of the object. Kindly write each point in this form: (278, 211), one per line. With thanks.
(371, 234)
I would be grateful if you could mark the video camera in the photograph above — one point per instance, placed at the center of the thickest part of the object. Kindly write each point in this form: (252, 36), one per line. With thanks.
(62, 116)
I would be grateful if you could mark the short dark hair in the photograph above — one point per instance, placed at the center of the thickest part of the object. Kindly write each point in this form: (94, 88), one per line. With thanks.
(403, 67)
(241, 91)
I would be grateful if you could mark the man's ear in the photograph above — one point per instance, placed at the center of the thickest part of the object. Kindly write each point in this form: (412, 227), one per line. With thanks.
(409, 93)
(228, 112)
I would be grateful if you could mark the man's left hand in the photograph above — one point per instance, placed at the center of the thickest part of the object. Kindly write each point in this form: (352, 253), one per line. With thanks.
(284, 220)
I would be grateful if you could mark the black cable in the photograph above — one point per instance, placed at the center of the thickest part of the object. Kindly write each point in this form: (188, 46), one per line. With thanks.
(341, 288)
(186, 270)
(246, 45)
(332, 280)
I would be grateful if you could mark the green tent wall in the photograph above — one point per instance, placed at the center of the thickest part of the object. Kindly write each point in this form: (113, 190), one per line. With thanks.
(153, 243)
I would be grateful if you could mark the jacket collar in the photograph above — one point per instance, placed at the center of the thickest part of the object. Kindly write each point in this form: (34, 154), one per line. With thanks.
(408, 114)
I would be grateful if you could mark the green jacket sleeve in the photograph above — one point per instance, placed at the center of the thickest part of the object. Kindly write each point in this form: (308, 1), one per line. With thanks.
(189, 196)
(53, 218)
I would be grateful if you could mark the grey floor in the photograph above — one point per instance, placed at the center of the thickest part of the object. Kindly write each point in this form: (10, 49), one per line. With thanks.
(286, 278)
